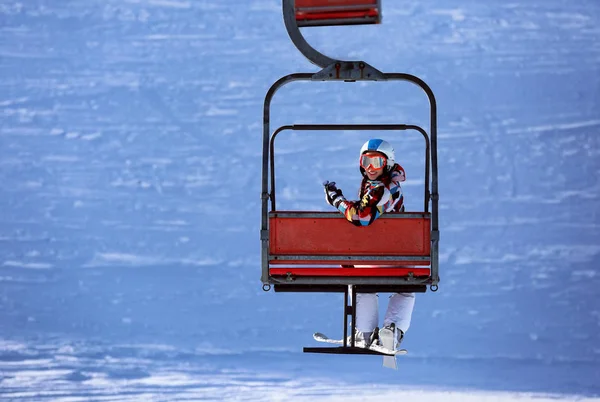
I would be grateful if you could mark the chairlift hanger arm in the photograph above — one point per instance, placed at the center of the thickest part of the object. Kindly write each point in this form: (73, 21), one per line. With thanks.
(306, 13)
(312, 54)
(332, 69)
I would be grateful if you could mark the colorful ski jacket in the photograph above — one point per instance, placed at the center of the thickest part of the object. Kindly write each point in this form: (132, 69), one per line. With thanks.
(375, 198)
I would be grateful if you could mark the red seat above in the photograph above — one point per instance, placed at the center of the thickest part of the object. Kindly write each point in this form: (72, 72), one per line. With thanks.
(337, 12)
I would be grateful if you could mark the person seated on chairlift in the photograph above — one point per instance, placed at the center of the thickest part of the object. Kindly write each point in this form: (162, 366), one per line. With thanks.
(380, 192)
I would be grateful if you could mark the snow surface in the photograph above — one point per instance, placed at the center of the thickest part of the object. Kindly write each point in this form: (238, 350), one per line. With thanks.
(130, 155)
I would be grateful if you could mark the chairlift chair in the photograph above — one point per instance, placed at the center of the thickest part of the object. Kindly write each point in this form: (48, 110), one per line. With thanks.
(337, 12)
(304, 251)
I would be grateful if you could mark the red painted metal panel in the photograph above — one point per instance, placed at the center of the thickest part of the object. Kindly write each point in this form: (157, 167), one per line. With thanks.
(282, 260)
(395, 271)
(335, 3)
(327, 11)
(339, 15)
(317, 236)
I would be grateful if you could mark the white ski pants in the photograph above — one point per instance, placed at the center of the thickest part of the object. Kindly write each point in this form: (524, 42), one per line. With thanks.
(399, 311)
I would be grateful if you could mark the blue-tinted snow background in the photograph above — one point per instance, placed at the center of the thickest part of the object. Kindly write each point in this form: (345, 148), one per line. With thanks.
(130, 154)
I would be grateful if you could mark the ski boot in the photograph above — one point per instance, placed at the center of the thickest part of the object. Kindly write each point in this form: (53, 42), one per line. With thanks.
(365, 339)
(390, 336)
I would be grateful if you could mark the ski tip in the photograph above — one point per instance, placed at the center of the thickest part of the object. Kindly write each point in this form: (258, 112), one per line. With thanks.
(390, 363)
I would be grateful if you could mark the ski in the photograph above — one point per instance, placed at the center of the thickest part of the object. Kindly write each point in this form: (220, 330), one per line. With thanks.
(388, 341)
(319, 337)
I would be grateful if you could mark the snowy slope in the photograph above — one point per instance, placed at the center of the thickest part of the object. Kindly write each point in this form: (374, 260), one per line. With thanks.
(130, 180)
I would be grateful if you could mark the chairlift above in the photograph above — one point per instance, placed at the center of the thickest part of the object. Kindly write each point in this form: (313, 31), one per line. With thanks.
(337, 12)
(304, 251)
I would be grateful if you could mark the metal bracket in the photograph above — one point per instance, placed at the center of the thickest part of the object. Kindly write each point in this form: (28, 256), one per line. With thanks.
(349, 71)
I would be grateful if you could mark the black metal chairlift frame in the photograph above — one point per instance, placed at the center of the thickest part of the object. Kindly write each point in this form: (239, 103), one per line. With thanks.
(348, 71)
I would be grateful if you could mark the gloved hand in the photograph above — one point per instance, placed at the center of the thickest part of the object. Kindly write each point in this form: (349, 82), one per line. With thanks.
(333, 195)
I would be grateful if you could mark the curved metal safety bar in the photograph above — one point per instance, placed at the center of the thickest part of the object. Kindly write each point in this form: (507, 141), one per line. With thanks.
(356, 127)
(265, 196)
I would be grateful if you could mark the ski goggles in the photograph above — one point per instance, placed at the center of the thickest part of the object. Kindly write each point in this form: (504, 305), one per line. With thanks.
(376, 161)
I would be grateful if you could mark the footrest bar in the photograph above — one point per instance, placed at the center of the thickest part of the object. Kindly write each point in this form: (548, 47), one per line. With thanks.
(341, 350)
(292, 287)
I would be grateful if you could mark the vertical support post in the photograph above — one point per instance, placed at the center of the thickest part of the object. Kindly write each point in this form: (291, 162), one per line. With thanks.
(265, 196)
(353, 310)
(346, 317)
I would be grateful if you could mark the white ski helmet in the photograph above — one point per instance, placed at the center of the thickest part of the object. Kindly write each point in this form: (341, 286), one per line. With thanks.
(382, 146)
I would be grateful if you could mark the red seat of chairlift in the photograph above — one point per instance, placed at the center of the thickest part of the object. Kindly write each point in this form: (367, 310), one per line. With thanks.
(337, 12)
(325, 244)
